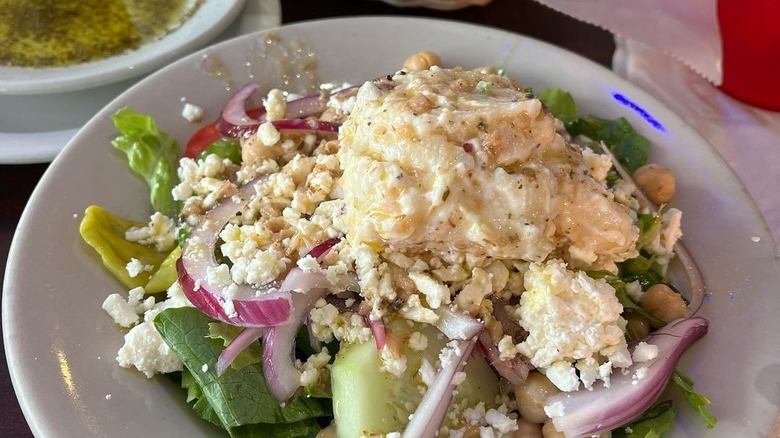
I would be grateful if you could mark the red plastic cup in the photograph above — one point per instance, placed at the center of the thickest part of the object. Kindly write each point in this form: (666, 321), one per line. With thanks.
(750, 34)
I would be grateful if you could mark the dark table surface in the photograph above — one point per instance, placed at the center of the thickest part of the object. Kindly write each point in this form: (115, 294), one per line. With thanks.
(522, 16)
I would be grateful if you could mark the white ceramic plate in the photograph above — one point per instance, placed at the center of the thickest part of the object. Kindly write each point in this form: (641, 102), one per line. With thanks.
(34, 128)
(61, 346)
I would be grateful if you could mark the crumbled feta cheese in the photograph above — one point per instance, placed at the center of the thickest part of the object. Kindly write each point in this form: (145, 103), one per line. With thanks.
(308, 264)
(160, 232)
(479, 286)
(486, 432)
(414, 310)
(555, 410)
(569, 316)
(145, 350)
(427, 372)
(435, 293)
(506, 348)
(205, 368)
(120, 310)
(639, 374)
(501, 422)
(474, 415)
(268, 134)
(563, 375)
(418, 341)
(598, 165)
(275, 105)
(192, 113)
(135, 267)
(312, 369)
(395, 365)
(634, 291)
(644, 352)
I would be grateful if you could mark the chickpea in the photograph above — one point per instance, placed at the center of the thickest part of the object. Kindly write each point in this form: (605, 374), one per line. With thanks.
(532, 395)
(526, 429)
(664, 303)
(637, 326)
(422, 61)
(549, 430)
(656, 181)
(328, 432)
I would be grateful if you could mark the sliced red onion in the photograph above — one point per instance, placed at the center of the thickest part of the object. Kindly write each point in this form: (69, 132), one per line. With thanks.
(235, 122)
(456, 324)
(270, 308)
(244, 339)
(281, 374)
(234, 118)
(695, 279)
(320, 250)
(588, 413)
(698, 289)
(429, 415)
(244, 305)
(514, 370)
(379, 331)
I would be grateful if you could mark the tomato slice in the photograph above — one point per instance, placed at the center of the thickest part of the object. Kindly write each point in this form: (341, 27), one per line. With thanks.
(207, 135)
(203, 138)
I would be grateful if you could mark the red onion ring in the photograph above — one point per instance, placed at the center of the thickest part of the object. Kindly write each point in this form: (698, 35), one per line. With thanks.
(281, 374)
(379, 331)
(244, 339)
(588, 413)
(235, 122)
(252, 307)
(429, 415)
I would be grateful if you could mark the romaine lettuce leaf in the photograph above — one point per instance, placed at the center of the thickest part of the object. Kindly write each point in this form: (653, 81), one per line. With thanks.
(629, 147)
(652, 424)
(560, 103)
(105, 232)
(696, 400)
(151, 153)
(224, 148)
(240, 398)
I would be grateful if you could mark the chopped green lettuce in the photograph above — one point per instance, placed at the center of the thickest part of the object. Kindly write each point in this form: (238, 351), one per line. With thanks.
(252, 354)
(151, 153)
(629, 147)
(696, 400)
(239, 401)
(560, 103)
(105, 232)
(652, 424)
(223, 148)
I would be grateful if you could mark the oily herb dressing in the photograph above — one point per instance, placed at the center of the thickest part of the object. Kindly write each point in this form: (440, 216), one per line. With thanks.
(52, 33)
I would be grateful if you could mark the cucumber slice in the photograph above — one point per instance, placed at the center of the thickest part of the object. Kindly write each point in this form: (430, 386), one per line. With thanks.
(368, 401)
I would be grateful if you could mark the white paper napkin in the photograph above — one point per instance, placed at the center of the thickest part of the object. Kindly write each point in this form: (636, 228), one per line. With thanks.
(685, 29)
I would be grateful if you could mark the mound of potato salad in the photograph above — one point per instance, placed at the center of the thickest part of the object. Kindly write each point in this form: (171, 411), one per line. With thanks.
(438, 252)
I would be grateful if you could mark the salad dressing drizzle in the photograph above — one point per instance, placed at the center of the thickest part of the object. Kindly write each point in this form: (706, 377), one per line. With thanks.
(50, 33)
